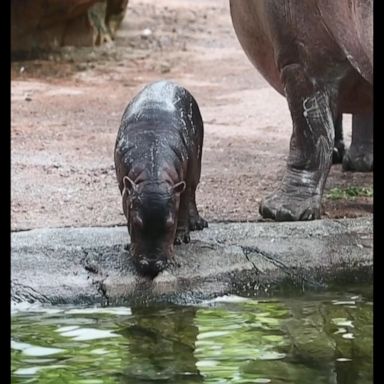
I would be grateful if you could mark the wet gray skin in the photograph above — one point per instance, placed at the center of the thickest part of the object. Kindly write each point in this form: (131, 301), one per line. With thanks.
(319, 55)
(158, 162)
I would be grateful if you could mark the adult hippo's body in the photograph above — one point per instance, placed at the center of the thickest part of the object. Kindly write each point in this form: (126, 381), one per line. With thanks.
(319, 54)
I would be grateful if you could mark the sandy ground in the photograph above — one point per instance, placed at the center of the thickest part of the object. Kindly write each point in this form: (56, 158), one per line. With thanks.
(66, 111)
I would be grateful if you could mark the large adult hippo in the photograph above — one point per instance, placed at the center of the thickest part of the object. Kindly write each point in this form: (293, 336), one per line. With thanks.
(158, 164)
(319, 54)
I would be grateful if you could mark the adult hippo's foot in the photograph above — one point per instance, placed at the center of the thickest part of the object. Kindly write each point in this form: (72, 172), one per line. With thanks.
(358, 159)
(359, 156)
(286, 207)
(295, 200)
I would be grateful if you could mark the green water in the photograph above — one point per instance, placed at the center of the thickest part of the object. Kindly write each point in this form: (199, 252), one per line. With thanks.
(323, 338)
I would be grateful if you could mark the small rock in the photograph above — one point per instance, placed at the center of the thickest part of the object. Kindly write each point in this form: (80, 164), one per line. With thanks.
(67, 57)
(92, 56)
(145, 33)
(28, 98)
(165, 68)
(81, 67)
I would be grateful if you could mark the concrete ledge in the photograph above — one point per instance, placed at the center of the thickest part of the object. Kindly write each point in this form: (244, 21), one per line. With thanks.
(90, 265)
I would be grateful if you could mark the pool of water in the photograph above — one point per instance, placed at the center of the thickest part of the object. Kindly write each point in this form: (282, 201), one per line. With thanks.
(318, 338)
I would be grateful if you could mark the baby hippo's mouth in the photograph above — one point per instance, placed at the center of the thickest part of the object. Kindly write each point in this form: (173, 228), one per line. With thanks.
(150, 267)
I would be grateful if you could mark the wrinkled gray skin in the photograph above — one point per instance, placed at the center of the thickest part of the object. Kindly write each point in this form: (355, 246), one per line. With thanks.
(158, 162)
(317, 53)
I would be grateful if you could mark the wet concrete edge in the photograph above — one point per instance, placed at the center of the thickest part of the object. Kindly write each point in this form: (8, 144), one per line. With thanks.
(90, 265)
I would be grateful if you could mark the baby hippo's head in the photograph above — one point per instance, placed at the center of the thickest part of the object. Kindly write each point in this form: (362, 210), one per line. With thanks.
(151, 209)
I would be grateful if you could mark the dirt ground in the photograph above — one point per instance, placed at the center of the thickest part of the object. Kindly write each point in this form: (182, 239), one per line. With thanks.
(66, 111)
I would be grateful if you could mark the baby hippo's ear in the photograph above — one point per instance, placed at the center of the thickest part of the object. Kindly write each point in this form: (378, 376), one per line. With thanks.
(179, 187)
(129, 185)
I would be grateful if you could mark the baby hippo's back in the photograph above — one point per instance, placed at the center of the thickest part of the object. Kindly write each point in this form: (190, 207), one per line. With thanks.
(162, 115)
(161, 100)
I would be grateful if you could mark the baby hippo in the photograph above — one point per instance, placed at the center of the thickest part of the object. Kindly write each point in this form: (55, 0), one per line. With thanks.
(158, 162)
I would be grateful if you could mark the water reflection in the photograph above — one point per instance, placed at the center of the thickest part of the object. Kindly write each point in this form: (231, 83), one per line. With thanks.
(252, 341)
(161, 345)
(353, 355)
(229, 340)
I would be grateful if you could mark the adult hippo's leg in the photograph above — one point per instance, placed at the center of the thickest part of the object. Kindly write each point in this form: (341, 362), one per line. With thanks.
(359, 156)
(311, 146)
(339, 148)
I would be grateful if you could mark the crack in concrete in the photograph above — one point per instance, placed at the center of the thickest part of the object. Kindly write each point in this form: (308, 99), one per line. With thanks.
(295, 276)
(89, 265)
(93, 269)
(101, 288)
(246, 253)
(28, 294)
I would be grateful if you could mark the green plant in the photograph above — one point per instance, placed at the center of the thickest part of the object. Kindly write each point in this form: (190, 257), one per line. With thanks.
(349, 193)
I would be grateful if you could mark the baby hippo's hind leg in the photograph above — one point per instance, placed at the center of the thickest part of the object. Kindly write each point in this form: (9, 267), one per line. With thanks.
(182, 230)
(196, 222)
(189, 218)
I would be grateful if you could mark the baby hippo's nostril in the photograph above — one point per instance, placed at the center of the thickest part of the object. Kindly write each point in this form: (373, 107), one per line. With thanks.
(150, 267)
(160, 264)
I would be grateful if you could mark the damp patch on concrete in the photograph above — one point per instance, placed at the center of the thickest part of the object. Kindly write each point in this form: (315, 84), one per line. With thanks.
(86, 266)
